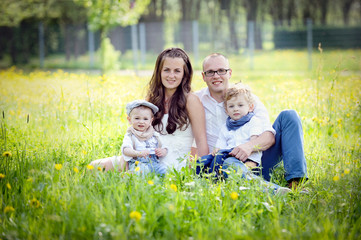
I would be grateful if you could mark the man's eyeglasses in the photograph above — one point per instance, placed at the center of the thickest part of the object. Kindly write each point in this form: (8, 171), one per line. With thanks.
(210, 73)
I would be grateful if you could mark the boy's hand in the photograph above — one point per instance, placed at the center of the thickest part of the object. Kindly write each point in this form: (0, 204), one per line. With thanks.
(160, 152)
(143, 153)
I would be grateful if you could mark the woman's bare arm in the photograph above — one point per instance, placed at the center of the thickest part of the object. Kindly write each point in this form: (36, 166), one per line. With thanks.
(198, 121)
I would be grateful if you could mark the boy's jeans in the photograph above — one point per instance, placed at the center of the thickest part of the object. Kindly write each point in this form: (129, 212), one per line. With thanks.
(148, 164)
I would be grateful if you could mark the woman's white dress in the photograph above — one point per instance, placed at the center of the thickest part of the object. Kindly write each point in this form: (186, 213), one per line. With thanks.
(179, 145)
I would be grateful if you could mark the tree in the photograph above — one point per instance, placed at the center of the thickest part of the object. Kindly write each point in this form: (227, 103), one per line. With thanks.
(253, 8)
(346, 8)
(153, 19)
(106, 14)
(190, 11)
(20, 18)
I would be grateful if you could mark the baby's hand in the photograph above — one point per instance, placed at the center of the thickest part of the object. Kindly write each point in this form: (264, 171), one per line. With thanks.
(215, 150)
(160, 152)
(143, 153)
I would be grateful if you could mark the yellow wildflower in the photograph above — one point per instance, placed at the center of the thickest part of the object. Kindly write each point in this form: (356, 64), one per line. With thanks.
(150, 182)
(8, 209)
(346, 171)
(76, 170)
(234, 195)
(135, 215)
(137, 169)
(8, 186)
(171, 207)
(90, 167)
(174, 187)
(34, 203)
(336, 178)
(84, 152)
(2, 176)
(58, 166)
(100, 169)
(7, 154)
(136, 163)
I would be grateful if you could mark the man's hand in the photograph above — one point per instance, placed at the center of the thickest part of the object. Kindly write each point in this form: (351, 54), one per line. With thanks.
(242, 152)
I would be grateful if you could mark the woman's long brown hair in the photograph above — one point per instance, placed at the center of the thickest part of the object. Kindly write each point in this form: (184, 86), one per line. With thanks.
(177, 114)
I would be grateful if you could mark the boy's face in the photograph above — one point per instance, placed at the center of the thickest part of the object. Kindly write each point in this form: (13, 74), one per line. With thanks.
(238, 107)
(140, 118)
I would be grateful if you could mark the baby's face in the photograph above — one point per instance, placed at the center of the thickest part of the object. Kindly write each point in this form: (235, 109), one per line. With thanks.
(238, 107)
(141, 118)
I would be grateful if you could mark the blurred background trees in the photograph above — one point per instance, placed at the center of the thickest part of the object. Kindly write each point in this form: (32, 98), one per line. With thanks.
(220, 23)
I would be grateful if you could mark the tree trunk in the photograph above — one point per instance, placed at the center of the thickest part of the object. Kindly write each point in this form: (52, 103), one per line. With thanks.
(232, 13)
(68, 41)
(346, 7)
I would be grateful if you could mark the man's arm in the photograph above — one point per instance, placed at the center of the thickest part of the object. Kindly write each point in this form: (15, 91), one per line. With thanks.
(261, 143)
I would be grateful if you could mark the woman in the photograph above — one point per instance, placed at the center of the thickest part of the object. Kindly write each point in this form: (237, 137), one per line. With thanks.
(181, 116)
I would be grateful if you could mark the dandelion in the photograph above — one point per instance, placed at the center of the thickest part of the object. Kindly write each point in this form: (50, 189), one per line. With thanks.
(75, 169)
(34, 203)
(8, 209)
(136, 163)
(150, 182)
(137, 169)
(58, 166)
(335, 135)
(8, 186)
(336, 178)
(135, 215)
(90, 167)
(100, 169)
(234, 195)
(2, 176)
(171, 207)
(346, 171)
(7, 154)
(174, 187)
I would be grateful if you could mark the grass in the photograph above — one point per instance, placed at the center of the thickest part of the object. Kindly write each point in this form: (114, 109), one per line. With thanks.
(54, 123)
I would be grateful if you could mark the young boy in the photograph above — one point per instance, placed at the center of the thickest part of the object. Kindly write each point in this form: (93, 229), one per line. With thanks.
(141, 145)
(240, 127)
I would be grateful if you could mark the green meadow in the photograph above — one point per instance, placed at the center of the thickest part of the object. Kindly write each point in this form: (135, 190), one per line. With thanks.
(54, 123)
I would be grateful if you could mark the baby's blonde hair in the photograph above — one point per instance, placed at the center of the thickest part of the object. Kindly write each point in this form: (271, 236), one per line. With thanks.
(239, 89)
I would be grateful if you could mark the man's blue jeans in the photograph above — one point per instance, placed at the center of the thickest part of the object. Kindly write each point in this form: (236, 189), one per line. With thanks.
(288, 147)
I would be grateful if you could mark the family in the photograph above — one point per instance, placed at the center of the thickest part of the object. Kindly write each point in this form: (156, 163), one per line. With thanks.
(225, 125)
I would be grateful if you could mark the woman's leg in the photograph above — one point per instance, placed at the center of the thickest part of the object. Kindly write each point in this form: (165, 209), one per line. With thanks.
(111, 163)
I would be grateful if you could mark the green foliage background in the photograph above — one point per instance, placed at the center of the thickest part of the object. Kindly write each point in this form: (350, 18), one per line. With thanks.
(51, 118)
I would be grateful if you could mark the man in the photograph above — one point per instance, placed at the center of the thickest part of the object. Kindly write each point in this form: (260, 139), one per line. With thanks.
(282, 142)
